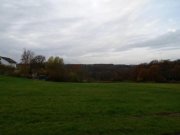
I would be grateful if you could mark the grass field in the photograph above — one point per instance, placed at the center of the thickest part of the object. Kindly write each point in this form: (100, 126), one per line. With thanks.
(31, 107)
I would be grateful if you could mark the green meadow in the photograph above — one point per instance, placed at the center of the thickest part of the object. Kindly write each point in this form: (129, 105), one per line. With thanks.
(32, 107)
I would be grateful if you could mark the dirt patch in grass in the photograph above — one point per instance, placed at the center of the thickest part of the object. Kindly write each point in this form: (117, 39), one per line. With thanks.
(160, 114)
(176, 133)
(172, 114)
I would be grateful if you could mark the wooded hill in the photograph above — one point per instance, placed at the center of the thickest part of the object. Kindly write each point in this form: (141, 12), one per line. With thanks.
(54, 69)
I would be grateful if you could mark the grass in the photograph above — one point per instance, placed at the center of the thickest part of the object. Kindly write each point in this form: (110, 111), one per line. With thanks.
(31, 107)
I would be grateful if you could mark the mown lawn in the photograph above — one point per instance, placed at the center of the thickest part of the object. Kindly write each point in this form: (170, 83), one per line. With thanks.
(31, 107)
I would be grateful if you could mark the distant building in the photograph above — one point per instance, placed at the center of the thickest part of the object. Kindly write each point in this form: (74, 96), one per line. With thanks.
(7, 62)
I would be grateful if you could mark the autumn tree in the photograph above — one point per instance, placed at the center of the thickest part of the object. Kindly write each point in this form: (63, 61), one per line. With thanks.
(55, 68)
(154, 74)
(176, 72)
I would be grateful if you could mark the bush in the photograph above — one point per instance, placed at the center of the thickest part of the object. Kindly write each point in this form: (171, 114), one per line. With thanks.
(6, 70)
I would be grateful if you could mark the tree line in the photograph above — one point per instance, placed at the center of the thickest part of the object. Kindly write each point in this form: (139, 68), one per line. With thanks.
(54, 69)
(158, 71)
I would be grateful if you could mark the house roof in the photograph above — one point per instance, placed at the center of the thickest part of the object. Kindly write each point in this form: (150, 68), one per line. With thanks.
(8, 59)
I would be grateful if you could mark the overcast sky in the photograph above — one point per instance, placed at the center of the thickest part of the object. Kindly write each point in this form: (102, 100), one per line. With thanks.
(91, 31)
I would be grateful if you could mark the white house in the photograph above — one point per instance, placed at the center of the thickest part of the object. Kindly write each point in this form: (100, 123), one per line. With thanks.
(7, 61)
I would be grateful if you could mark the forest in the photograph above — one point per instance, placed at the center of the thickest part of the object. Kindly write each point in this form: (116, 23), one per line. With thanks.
(53, 69)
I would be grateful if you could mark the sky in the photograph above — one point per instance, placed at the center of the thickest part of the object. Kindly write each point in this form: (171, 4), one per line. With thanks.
(91, 31)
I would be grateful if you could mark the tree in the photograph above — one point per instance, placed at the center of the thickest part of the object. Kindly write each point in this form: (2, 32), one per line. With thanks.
(38, 64)
(27, 56)
(142, 74)
(55, 69)
(176, 72)
(26, 59)
(155, 74)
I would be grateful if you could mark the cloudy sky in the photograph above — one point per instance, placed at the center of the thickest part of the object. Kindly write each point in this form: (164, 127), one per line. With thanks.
(91, 31)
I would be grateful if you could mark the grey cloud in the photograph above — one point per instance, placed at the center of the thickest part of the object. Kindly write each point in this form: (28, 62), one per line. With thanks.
(167, 40)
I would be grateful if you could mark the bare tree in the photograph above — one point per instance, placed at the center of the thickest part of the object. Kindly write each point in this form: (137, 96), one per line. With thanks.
(27, 56)
(26, 59)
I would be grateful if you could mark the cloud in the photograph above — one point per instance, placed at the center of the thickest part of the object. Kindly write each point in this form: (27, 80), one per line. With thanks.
(87, 31)
(167, 40)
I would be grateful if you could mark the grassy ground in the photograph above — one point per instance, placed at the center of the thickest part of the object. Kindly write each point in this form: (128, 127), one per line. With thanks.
(29, 107)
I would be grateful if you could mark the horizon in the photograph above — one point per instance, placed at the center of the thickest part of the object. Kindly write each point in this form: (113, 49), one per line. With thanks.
(92, 32)
(131, 64)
